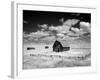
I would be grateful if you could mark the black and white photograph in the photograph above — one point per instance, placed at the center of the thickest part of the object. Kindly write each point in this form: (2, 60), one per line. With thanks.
(54, 39)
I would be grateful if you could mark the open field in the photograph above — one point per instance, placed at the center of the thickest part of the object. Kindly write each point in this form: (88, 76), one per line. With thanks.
(79, 55)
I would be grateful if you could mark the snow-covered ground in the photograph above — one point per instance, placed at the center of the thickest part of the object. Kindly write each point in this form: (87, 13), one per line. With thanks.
(78, 55)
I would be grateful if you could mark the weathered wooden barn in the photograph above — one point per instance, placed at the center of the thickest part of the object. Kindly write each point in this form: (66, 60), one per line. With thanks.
(57, 47)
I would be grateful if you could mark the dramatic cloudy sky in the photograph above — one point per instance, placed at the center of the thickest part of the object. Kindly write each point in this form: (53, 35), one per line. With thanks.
(47, 25)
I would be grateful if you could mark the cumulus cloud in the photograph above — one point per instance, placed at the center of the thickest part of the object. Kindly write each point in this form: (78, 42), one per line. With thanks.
(64, 31)
(85, 26)
(76, 30)
(60, 35)
(71, 22)
(72, 34)
(65, 27)
(39, 34)
(36, 35)
(60, 29)
(25, 35)
(44, 26)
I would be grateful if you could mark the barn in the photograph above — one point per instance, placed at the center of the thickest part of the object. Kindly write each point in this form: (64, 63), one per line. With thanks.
(58, 47)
